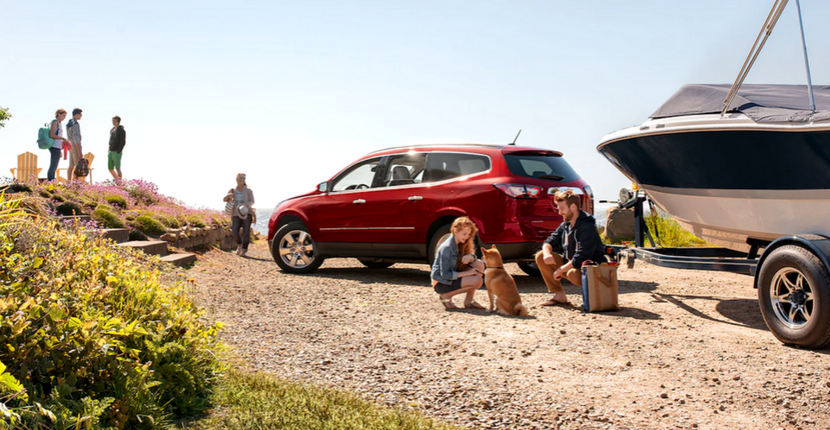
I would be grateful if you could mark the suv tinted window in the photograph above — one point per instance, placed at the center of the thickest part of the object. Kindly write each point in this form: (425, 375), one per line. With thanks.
(359, 176)
(535, 166)
(447, 165)
(405, 169)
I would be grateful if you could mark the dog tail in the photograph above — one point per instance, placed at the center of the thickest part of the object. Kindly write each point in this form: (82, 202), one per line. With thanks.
(520, 310)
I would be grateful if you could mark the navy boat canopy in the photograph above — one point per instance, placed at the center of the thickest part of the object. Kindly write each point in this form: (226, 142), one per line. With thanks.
(762, 103)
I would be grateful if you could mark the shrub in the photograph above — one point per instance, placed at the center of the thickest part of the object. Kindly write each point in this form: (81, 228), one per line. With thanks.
(68, 209)
(58, 198)
(145, 193)
(98, 336)
(45, 194)
(117, 201)
(107, 218)
(137, 235)
(196, 222)
(20, 188)
(149, 225)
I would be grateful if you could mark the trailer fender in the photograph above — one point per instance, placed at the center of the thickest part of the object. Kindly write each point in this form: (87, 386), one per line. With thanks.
(817, 244)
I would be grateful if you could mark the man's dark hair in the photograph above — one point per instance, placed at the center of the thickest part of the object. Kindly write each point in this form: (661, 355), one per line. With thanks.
(569, 197)
(117, 118)
(76, 111)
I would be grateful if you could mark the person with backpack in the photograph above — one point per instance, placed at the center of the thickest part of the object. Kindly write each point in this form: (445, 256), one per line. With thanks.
(118, 138)
(56, 133)
(73, 132)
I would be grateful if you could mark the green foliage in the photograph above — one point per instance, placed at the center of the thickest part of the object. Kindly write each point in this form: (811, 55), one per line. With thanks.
(4, 116)
(68, 209)
(99, 337)
(18, 188)
(137, 235)
(669, 233)
(258, 401)
(45, 194)
(195, 222)
(149, 225)
(116, 200)
(107, 218)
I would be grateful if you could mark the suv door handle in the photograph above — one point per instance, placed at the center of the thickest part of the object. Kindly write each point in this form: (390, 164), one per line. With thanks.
(415, 198)
(359, 201)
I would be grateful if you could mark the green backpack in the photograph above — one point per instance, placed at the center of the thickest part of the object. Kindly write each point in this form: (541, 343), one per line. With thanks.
(43, 139)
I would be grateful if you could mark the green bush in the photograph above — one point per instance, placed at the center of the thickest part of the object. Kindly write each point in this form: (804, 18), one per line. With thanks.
(98, 336)
(58, 198)
(20, 188)
(149, 225)
(107, 218)
(68, 209)
(116, 200)
(137, 235)
(168, 221)
(45, 194)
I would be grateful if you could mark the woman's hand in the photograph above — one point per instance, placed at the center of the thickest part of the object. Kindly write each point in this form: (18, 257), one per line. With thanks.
(471, 272)
(467, 259)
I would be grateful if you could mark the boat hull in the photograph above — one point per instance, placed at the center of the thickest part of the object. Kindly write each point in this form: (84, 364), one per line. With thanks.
(727, 186)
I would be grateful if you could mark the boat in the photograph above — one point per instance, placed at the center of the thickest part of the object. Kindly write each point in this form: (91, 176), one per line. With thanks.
(736, 165)
(759, 172)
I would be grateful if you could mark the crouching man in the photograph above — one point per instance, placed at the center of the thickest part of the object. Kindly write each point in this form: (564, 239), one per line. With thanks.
(573, 243)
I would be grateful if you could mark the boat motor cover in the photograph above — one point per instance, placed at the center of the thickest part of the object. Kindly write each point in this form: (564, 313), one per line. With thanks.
(762, 103)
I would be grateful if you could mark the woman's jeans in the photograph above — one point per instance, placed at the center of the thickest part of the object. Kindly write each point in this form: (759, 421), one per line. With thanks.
(53, 163)
(246, 230)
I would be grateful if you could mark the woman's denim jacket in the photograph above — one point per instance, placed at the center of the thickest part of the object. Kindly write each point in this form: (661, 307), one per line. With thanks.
(445, 266)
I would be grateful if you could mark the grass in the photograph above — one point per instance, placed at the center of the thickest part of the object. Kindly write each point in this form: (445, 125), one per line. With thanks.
(667, 233)
(259, 401)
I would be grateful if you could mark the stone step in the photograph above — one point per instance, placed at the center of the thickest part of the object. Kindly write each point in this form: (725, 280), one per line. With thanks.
(182, 259)
(72, 218)
(118, 235)
(152, 247)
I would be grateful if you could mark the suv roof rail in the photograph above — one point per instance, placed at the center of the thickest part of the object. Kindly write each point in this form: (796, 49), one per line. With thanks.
(439, 145)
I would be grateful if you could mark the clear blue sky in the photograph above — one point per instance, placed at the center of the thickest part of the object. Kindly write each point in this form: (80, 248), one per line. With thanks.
(290, 92)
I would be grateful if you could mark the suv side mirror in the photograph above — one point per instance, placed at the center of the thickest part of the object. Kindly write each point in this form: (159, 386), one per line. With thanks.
(323, 187)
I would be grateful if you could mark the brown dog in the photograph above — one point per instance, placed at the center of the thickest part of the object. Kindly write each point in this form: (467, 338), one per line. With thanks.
(501, 284)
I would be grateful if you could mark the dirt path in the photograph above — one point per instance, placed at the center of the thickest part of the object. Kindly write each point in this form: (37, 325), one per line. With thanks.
(688, 349)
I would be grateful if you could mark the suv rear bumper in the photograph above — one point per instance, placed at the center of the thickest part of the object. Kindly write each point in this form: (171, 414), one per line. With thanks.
(522, 251)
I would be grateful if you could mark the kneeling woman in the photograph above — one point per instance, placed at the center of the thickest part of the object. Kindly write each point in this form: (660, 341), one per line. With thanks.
(456, 269)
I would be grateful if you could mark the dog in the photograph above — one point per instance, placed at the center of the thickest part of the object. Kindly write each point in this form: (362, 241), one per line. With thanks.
(500, 284)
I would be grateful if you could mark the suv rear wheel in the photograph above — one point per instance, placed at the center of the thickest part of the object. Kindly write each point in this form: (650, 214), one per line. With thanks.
(293, 249)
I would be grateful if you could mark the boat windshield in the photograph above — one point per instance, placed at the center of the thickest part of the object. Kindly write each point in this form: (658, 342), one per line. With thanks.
(552, 167)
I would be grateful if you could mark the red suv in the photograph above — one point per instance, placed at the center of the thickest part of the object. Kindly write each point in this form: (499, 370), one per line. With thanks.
(397, 205)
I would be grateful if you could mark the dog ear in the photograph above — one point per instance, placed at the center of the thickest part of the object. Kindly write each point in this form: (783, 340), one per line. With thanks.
(484, 250)
(493, 247)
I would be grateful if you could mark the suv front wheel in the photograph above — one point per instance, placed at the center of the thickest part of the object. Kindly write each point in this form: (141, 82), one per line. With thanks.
(294, 250)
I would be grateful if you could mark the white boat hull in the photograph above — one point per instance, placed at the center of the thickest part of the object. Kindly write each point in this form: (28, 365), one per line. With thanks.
(729, 217)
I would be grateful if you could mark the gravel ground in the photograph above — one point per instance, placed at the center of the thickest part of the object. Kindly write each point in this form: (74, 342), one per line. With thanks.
(688, 349)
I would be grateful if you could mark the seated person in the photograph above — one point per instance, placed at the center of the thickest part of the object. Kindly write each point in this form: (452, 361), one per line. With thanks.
(578, 241)
(458, 252)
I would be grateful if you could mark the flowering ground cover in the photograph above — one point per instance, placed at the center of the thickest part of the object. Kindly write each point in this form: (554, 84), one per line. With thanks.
(135, 204)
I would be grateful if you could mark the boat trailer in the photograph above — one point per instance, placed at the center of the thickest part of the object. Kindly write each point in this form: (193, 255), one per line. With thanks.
(791, 274)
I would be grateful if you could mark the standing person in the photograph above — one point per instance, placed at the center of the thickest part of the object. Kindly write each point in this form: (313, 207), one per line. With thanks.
(243, 203)
(73, 132)
(56, 132)
(579, 241)
(456, 252)
(118, 138)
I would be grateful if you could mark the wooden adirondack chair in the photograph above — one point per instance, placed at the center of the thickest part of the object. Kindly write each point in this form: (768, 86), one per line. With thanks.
(89, 157)
(26, 170)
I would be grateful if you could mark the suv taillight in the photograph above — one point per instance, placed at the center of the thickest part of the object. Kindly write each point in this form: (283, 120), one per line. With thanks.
(589, 200)
(520, 191)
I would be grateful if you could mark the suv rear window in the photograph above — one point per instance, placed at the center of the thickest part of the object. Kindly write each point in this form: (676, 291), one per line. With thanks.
(535, 166)
(447, 165)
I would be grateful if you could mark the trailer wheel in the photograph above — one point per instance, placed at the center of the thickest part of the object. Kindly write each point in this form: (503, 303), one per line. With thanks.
(794, 295)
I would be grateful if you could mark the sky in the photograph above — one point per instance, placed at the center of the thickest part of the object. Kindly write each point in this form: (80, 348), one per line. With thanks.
(292, 92)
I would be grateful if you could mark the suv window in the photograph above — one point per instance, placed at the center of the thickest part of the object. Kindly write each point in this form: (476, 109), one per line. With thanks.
(535, 166)
(447, 165)
(357, 177)
(405, 169)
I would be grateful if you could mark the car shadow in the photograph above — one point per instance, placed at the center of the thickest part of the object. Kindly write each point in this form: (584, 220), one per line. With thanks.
(393, 275)
(533, 284)
(737, 312)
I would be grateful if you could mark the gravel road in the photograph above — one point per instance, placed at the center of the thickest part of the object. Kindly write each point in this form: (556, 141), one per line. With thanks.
(688, 349)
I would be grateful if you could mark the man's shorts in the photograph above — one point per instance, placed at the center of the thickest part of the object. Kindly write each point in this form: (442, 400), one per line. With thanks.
(74, 156)
(444, 288)
(114, 160)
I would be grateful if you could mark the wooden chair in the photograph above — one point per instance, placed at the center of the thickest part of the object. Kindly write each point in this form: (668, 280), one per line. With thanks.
(89, 157)
(26, 170)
